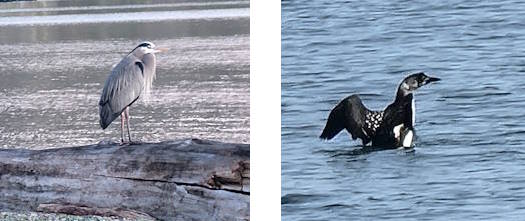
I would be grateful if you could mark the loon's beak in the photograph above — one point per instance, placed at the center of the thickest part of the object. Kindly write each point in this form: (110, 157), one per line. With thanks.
(432, 79)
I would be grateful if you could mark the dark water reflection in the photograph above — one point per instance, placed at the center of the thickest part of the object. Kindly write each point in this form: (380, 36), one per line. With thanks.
(469, 157)
(52, 73)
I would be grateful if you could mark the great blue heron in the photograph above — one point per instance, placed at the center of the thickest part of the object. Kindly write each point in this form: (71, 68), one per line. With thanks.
(130, 79)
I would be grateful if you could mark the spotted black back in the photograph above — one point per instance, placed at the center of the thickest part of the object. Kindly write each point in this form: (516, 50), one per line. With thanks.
(373, 120)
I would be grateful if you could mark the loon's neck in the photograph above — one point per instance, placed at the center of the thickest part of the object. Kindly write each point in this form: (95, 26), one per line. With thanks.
(402, 97)
(404, 100)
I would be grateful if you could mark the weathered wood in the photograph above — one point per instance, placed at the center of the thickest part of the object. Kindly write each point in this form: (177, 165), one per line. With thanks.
(175, 180)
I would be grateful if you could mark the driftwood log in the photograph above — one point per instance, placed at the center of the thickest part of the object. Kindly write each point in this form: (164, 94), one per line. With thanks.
(174, 180)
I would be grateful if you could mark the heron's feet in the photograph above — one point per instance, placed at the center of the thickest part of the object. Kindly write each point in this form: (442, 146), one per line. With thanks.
(135, 142)
(130, 142)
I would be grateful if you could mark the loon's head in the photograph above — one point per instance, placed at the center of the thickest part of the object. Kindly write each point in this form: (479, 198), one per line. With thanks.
(414, 81)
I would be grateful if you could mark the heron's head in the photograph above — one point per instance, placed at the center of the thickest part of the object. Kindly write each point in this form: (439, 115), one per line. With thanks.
(415, 81)
(146, 48)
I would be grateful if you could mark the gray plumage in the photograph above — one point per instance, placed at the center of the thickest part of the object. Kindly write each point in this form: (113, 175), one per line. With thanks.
(122, 88)
(130, 79)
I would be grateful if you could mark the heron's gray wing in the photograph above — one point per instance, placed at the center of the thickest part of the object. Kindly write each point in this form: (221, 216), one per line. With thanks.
(123, 87)
(349, 114)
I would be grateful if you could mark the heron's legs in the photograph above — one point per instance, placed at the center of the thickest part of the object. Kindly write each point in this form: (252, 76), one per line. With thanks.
(127, 123)
(122, 116)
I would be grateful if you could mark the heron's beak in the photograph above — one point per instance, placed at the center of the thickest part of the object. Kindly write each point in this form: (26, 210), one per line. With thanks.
(157, 50)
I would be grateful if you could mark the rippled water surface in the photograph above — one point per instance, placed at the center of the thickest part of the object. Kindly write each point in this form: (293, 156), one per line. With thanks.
(55, 57)
(469, 160)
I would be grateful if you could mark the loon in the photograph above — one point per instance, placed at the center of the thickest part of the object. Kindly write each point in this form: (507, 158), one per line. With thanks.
(393, 127)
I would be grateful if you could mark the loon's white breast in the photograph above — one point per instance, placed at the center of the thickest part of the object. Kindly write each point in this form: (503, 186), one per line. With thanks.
(413, 106)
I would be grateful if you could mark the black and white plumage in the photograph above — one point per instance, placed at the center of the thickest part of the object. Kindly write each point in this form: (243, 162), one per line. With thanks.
(131, 78)
(392, 127)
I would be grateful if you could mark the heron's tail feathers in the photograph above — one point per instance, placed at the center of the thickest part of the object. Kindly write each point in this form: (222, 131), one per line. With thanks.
(106, 115)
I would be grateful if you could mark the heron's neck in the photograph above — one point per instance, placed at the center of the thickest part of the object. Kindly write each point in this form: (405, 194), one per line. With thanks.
(149, 62)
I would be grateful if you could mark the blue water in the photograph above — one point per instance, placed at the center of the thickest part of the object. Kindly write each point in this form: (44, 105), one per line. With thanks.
(469, 157)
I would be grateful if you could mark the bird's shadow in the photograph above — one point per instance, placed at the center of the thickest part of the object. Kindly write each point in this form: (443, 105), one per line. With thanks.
(363, 150)
(118, 143)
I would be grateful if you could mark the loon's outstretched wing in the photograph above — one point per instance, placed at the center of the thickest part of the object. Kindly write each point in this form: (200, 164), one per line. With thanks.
(349, 114)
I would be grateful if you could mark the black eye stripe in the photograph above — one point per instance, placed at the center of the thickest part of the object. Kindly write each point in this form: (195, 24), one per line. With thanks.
(148, 45)
(145, 45)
